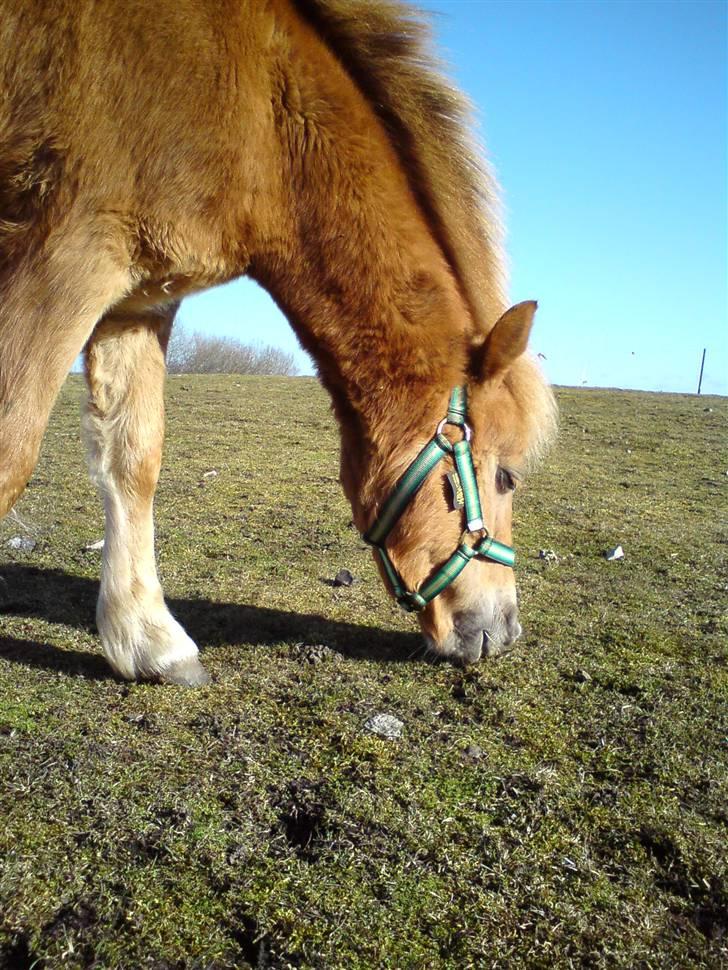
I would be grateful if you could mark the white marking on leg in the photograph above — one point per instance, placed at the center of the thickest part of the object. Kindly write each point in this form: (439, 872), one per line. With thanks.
(139, 635)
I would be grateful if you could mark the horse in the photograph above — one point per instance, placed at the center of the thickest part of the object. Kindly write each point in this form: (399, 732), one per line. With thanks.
(150, 151)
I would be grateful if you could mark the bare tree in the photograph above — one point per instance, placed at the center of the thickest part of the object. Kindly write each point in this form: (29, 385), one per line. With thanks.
(179, 350)
(196, 353)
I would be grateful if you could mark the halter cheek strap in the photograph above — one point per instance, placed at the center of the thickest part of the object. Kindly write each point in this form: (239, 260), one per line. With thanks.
(437, 448)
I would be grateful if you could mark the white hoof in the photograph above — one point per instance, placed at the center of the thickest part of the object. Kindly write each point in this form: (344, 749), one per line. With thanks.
(148, 644)
(187, 673)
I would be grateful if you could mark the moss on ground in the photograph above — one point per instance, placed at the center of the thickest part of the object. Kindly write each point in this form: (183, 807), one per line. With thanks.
(564, 806)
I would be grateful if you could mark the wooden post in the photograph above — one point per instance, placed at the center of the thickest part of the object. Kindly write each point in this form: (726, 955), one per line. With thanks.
(702, 365)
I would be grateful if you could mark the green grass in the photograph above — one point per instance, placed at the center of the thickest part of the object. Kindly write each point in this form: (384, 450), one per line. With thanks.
(565, 806)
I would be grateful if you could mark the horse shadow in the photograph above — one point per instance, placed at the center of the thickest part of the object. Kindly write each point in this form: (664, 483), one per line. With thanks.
(59, 597)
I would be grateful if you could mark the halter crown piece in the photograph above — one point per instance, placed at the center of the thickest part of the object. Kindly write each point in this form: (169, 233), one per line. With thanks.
(437, 448)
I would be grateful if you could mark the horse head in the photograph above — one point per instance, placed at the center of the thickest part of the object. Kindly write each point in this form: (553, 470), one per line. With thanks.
(442, 531)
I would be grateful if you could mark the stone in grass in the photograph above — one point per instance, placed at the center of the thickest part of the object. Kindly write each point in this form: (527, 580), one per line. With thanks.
(548, 555)
(385, 726)
(22, 544)
(611, 555)
(94, 546)
(473, 752)
(344, 578)
(313, 653)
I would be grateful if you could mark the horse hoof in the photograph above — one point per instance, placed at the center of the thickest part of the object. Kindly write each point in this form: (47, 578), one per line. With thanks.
(186, 673)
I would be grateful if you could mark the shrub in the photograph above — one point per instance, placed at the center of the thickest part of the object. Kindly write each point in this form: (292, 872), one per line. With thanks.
(196, 353)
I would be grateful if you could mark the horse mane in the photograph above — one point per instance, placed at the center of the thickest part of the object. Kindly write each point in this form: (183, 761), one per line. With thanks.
(385, 47)
(536, 412)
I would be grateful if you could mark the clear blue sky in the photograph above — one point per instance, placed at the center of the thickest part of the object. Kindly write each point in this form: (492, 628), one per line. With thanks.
(606, 123)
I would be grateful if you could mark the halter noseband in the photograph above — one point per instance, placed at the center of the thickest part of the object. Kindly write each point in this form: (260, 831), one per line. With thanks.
(437, 448)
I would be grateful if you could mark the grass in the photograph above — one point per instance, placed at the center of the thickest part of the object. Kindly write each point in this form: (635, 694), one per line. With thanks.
(565, 806)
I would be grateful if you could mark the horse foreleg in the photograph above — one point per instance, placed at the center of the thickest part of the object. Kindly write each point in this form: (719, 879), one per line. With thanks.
(48, 307)
(124, 423)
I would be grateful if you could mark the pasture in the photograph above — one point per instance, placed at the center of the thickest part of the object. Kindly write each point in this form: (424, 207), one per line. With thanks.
(563, 806)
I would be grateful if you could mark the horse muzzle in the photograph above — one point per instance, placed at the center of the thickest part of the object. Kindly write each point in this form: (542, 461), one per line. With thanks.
(478, 633)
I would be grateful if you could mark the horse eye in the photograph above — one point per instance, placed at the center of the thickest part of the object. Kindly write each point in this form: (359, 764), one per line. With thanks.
(504, 481)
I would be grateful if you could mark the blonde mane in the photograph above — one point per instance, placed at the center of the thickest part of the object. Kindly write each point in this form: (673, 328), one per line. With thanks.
(385, 47)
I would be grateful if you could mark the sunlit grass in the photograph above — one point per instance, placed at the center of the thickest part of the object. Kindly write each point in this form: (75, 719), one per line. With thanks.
(563, 806)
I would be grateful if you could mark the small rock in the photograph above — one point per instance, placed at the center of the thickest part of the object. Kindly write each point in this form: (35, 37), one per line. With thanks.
(473, 752)
(211, 474)
(582, 677)
(145, 722)
(613, 554)
(385, 725)
(94, 546)
(313, 653)
(708, 410)
(548, 555)
(22, 543)
(344, 578)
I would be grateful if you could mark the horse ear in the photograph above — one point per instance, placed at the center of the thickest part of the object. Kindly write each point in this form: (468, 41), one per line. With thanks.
(506, 341)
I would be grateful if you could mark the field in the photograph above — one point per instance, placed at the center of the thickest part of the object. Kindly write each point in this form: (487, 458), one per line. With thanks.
(565, 806)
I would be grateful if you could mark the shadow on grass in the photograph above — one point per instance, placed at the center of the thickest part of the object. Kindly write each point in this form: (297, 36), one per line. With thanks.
(58, 597)
(33, 653)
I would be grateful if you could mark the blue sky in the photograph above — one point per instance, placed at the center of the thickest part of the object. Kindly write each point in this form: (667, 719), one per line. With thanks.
(606, 123)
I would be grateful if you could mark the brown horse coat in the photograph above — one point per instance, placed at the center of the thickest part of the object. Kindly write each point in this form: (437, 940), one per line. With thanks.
(151, 150)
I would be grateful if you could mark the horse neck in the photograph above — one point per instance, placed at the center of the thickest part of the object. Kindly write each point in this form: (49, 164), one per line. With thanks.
(375, 304)
(349, 255)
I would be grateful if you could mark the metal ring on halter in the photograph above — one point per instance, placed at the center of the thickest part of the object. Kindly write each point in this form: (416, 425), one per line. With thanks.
(465, 428)
(482, 534)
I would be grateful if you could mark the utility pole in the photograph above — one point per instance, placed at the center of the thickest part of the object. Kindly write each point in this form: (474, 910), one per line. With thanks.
(702, 365)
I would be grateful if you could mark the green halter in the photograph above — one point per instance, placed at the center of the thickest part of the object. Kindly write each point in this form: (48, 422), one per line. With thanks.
(437, 448)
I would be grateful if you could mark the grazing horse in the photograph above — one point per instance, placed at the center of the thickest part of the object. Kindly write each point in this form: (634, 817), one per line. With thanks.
(148, 151)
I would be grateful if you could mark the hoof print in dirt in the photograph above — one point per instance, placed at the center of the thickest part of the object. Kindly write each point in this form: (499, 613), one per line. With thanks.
(302, 818)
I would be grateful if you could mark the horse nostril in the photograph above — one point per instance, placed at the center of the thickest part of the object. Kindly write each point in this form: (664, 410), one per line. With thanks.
(502, 632)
